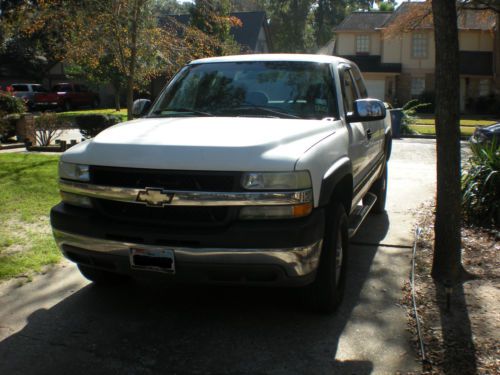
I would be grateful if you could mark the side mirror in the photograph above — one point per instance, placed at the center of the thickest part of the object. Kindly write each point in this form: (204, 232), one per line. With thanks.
(140, 107)
(367, 110)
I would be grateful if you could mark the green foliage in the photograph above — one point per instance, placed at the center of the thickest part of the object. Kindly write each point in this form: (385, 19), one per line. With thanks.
(386, 6)
(248, 5)
(305, 25)
(214, 20)
(71, 115)
(327, 15)
(91, 125)
(212, 17)
(10, 108)
(481, 185)
(30, 43)
(409, 110)
(10, 104)
(165, 7)
(288, 24)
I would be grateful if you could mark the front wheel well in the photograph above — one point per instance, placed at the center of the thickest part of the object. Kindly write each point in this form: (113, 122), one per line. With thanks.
(342, 193)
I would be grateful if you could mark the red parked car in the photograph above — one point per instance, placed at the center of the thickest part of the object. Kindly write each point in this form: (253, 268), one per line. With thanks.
(35, 96)
(74, 95)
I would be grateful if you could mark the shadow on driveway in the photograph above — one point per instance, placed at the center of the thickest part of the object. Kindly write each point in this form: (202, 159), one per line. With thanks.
(143, 329)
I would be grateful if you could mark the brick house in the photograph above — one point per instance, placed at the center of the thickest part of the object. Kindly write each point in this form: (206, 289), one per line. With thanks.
(399, 68)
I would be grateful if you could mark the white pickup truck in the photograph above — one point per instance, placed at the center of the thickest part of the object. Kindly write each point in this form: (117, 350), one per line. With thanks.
(253, 169)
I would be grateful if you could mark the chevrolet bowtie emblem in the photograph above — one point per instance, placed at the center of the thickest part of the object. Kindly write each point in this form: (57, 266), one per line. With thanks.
(154, 197)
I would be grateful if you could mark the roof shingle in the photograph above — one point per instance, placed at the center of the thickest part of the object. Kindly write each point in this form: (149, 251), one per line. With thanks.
(363, 21)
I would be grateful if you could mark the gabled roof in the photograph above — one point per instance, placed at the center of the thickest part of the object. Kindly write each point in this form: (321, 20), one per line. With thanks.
(363, 21)
(246, 35)
(470, 19)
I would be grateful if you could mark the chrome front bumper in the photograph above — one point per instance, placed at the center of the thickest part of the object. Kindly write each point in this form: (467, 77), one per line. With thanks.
(296, 261)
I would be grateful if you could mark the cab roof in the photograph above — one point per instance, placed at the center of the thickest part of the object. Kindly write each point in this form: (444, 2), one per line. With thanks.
(272, 57)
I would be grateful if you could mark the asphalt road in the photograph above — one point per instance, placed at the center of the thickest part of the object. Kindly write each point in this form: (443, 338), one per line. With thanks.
(61, 324)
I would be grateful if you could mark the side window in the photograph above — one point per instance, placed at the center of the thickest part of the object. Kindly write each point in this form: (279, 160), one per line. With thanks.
(349, 94)
(363, 93)
(20, 87)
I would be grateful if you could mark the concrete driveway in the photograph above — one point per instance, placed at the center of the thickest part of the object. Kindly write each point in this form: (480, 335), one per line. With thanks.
(61, 324)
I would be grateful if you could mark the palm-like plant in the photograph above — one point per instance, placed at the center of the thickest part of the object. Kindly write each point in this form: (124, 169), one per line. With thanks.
(481, 185)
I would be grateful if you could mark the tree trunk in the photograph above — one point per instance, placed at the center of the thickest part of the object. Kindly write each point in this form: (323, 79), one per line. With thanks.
(136, 13)
(117, 99)
(447, 263)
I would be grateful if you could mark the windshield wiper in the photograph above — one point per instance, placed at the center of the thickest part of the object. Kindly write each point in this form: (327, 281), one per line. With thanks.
(258, 108)
(183, 110)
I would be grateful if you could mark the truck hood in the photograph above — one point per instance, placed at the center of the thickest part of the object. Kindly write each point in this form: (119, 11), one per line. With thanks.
(203, 143)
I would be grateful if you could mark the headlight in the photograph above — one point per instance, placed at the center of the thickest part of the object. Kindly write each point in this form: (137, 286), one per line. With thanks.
(71, 171)
(276, 180)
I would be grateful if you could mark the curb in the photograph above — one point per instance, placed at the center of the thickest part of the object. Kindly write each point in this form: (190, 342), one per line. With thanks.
(11, 146)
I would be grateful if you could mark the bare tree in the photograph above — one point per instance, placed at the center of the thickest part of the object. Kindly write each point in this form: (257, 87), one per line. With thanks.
(48, 126)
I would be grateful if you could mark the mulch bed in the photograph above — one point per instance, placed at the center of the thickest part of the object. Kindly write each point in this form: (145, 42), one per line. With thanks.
(464, 336)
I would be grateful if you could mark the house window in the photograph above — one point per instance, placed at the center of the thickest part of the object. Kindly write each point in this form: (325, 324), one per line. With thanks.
(419, 46)
(362, 44)
(484, 87)
(417, 86)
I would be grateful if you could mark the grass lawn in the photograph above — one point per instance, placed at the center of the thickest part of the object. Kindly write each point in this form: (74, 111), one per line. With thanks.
(110, 111)
(430, 130)
(467, 126)
(463, 122)
(28, 189)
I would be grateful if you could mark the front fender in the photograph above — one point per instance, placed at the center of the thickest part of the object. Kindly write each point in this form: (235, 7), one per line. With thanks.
(339, 171)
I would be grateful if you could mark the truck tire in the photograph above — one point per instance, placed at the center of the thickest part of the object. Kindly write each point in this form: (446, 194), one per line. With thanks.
(101, 277)
(325, 293)
(379, 188)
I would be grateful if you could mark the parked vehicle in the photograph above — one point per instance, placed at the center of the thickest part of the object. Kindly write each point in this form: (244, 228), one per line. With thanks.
(73, 95)
(486, 134)
(35, 96)
(252, 169)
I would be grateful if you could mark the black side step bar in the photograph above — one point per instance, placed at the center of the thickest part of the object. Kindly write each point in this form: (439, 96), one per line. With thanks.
(359, 213)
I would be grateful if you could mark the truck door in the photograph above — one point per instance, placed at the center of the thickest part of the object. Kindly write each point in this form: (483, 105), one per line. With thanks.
(375, 128)
(358, 139)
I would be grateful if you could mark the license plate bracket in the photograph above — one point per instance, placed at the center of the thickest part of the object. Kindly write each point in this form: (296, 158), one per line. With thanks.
(153, 259)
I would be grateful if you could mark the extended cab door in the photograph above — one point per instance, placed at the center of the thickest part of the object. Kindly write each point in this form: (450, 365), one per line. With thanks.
(358, 140)
(375, 129)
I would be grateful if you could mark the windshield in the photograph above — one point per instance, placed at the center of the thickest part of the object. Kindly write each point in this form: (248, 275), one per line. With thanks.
(264, 89)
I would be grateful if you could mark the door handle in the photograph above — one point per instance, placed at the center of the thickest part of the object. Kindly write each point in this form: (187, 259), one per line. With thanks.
(369, 134)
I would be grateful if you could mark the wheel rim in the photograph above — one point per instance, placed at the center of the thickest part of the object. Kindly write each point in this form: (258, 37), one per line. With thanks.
(339, 255)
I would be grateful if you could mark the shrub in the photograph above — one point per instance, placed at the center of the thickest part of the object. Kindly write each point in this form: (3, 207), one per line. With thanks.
(481, 185)
(10, 108)
(10, 104)
(91, 125)
(409, 110)
(48, 126)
